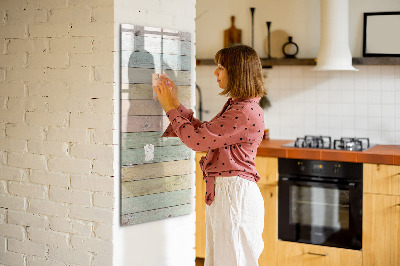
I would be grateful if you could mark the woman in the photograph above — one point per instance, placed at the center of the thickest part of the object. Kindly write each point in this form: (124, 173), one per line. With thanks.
(235, 207)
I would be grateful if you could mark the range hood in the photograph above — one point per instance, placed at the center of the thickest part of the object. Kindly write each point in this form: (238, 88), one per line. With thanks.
(334, 51)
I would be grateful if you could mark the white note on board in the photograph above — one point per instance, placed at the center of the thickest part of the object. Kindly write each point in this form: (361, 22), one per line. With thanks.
(148, 152)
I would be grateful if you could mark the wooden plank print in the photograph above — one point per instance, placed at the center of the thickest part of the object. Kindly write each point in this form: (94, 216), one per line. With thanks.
(156, 201)
(161, 154)
(140, 139)
(143, 75)
(155, 185)
(154, 44)
(154, 170)
(154, 215)
(144, 123)
(142, 107)
(145, 92)
(156, 174)
(155, 60)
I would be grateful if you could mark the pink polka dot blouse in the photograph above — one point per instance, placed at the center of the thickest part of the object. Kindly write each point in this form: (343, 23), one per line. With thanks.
(231, 139)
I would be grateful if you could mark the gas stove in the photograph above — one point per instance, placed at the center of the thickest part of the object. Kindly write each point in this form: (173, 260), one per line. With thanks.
(325, 142)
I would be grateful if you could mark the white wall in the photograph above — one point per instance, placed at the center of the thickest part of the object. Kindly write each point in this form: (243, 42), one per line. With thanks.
(299, 18)
(170, 241)
(338, 104)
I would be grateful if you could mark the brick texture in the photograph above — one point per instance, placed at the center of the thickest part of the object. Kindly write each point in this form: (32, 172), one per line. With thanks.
(56, 122)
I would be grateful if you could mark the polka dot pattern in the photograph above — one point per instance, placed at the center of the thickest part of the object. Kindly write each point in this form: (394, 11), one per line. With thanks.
(231, 139)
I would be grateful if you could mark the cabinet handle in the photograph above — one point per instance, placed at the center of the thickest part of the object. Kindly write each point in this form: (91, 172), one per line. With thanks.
(318, 254)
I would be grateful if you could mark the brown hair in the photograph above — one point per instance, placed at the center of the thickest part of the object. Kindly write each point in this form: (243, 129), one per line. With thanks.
(245, 78)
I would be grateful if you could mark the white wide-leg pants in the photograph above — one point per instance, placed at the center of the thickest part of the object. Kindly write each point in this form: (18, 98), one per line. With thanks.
(234, 223)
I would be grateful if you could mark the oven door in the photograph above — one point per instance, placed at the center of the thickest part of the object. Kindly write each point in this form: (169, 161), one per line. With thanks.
(315, 211)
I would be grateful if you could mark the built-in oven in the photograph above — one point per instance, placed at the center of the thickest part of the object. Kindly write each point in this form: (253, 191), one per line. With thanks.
(320, 202)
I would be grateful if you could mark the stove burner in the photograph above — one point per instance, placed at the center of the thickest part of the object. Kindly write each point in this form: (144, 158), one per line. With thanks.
(324, 142)
(308, 141)
(351, 144)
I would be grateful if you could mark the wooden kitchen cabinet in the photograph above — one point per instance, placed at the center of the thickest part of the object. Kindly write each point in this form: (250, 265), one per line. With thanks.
(381, 215)
(381, 179)
(267, 167)
(270, 233)
(381, 230)
(200, 209)
(298, 254)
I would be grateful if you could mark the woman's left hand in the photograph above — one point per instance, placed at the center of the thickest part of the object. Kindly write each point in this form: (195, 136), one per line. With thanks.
(164, 95)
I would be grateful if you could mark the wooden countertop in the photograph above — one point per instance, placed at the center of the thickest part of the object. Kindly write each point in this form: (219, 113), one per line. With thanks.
(379, 154)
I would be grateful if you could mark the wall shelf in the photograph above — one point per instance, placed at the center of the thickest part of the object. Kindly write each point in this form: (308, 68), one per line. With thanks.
(312, 61)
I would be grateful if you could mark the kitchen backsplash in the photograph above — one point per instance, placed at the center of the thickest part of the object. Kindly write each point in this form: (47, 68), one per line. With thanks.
(337, 104)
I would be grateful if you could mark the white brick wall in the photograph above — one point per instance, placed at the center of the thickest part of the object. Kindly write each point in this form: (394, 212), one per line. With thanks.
(56, 126)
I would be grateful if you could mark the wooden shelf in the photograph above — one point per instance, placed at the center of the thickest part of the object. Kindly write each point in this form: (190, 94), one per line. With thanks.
(376, 61)
(312, 61)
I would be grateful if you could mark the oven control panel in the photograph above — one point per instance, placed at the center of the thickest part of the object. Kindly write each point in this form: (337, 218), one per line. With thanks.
(331, 169)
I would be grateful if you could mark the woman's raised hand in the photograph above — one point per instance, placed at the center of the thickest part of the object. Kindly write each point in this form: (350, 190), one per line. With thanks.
(174, 89)
(164, 94)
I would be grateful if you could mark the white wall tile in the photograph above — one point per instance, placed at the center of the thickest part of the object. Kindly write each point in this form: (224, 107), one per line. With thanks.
(397, 72)
(361, 110)
(387, 72)
(374, 97)
(374, 123)
(388, 124)
(388, 110)
(348, 95)
(348, 122)
(361, 123)
(334, 109)
(347, 109)
(388, 97)
(389, 136)
(375, 136)
(374, 110)
(388, 84)
(322, 95)
(310, 109)
(360, 97)
(322, 109)
(335, 95)
(348, 133)
(322, 121)
(374, 83)
(339, 104)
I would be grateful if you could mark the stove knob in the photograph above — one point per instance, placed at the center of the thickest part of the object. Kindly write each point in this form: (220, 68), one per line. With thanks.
(336, 169)
(301, 166)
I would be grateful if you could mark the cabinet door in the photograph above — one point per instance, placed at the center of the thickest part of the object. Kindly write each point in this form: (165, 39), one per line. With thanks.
(200, 209)
(297, 254)
(267, 168)
(270, 233)
(381, 179)
(381, 230)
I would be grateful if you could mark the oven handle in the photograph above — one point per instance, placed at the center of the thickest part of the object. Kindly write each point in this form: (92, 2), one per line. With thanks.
(297, 181)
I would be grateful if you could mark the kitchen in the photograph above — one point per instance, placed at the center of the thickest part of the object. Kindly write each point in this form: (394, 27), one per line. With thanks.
(304, 102)
(60, 72)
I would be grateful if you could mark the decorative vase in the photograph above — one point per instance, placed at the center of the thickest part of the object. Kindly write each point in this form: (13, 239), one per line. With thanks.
(290, 49)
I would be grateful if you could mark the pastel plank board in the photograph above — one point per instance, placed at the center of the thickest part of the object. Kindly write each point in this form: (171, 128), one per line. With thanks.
(155, 172)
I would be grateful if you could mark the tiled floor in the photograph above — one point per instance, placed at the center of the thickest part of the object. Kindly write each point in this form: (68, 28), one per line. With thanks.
(199, 262)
